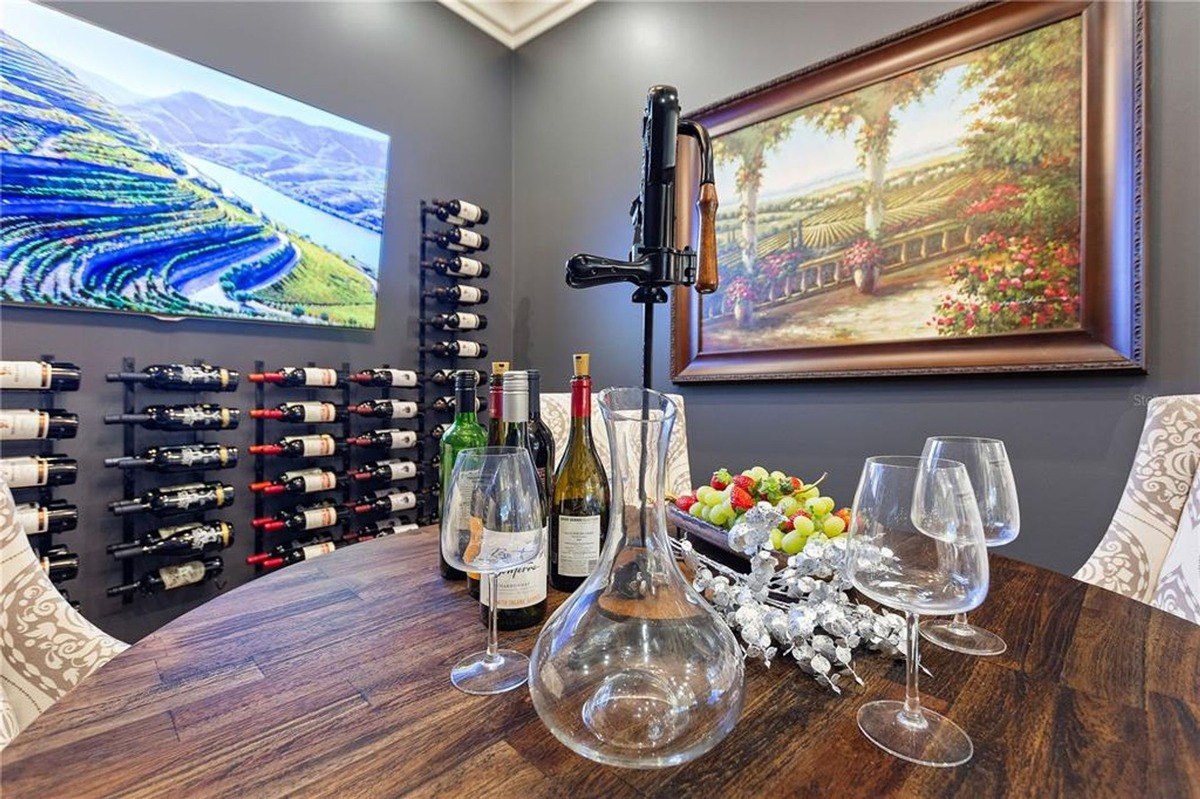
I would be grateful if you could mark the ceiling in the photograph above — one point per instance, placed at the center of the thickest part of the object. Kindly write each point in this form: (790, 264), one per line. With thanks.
(514, 22)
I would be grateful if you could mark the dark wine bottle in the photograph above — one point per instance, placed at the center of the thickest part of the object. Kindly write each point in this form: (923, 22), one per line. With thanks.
(464, 433)
(460, 212)
(60, 564)
(180, 377)
(281, 550)
(185, 498)
(541, 440)
(386, 378)
(38, 470)
(391, 438)
(192, 538)
(458, 348)
(447, 377)
(39, 376)
(309, 412)
(388, 471)
(401, 524)
(386, 502)
(437, 432)
(459, 320)
(180, 458)
(495, 433)
(318, 445)
(26, 424)
(171, 577)
(459, 295)
(57, 517)
(460, 267)
(204, 416)
(304, 553)
(315, 517)
(299, 376)
(451, 403)
(579, 509)
(302, 481)
(458, 239)
(387, 409)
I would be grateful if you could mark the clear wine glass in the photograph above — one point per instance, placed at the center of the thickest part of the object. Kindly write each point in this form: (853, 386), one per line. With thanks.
(916, 545)
(996, 495)
(491, 523)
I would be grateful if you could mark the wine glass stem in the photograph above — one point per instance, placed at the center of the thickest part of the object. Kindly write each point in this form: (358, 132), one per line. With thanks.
(960, 621)
(493, 641)
(912, 696)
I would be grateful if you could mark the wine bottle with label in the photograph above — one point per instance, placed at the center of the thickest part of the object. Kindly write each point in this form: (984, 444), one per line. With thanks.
(203, 416)
(22, 424)
(39, 376)
(309, 412)
(459, 294)
(315, 517)
(304, 553)
(464, 432)
(579, 510)
(185, 498)
(460, 267)
(387, 527)
(180, 377)
(458, 348)
(280, 550)
(451, 403)
(180, 458)
(60, 564)
(521, 592)
(318, 445)
(302, 481)
(300, 377)
(391, 438)
(388, 471)
(458, 239)
(168, 578)
(448, 377)
(541, 440)
(495, 433)
(38, 470)
(387, 409)
(57, 517)
(386, 502)
(192, 538)
(459, 320)
(460, 212)
(386, 378)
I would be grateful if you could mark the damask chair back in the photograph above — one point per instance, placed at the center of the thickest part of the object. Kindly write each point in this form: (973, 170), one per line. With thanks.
(556, 412)
(1156, 528)
(46, 646)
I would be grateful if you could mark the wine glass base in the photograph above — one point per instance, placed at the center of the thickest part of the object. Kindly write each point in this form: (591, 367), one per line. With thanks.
(482, 674)
(923, 737)
(965, 638)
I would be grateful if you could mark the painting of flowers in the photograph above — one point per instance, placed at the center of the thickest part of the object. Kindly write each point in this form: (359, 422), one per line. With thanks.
(942, 203)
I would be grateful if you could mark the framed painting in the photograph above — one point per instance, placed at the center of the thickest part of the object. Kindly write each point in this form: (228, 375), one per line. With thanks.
(963, 197)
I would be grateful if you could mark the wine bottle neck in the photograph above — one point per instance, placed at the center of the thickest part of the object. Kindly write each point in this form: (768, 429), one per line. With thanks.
(581, 398)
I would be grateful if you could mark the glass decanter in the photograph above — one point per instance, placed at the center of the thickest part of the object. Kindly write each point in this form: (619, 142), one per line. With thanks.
(635, 669)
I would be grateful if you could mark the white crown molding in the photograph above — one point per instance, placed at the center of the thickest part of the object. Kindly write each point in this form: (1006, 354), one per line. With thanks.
(515, 22)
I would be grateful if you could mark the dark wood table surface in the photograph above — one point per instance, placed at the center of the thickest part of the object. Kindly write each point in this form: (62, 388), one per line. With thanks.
(331, 678)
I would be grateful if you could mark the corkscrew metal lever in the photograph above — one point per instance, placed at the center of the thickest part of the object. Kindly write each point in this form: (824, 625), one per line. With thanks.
(655, 262)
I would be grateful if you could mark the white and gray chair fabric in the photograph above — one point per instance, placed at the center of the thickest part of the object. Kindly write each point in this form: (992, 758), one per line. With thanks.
(1151, 551)
(556, 413)
(46, 646)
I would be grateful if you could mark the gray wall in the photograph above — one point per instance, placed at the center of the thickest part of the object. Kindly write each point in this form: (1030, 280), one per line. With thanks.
(373, 63)
(579, 92)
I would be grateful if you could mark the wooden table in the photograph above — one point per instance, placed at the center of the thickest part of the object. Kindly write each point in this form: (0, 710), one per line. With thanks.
(331, 678)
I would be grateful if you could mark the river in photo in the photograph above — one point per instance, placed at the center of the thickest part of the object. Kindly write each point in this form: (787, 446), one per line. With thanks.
(337, 235)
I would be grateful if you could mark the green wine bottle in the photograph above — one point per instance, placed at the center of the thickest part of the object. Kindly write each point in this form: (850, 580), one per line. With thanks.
(464, 433)
(579, 510)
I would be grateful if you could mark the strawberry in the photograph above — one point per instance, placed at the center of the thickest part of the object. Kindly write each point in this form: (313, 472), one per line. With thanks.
(797, 483)
(740, 499)
(720, 479)
(745, 482)
(685, 502)
(787, 525)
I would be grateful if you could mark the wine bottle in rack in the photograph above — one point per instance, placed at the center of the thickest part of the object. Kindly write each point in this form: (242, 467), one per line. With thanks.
(318, 445)
(312, 517)
(391, 438)
(306, 412)
(444, 377)
(386, 502)
(386, 527)
(300, 377)
(23, 424)
(168, 578)
(387, 409)
(300, 554)
(457, 239)
(179, 458)
(580, 504)
(56, 517)
(388, 471)
(280, 550)
(460, 267)
(459, 320)
(302, 481)
(459, 294)
(450, 403)
(179, 539)
(60, 564)
(38, 470)
(201, 416)
(460, 212)
(386, 378)
(180, 377)
(185, 498)
(465, 432)
(39, 376)
(437, 432)
(458, 348)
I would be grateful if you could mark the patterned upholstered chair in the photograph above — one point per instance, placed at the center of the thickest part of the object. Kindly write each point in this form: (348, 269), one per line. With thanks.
(1151, 551)
(556, 412)
(46, 646)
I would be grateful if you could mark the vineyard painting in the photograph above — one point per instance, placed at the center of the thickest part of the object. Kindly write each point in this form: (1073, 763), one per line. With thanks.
(133, 180)
(940, 204)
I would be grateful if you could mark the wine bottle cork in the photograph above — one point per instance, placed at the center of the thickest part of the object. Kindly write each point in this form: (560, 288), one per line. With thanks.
(582, 363)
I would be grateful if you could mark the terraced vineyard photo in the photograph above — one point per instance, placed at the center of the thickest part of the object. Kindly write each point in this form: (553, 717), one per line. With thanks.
(219, 199)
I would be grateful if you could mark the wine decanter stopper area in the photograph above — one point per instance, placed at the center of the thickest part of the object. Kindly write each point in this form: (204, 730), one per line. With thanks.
(635, 669)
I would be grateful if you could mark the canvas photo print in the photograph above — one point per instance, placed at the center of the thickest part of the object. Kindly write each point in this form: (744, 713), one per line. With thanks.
(133, 180)
(942, 203)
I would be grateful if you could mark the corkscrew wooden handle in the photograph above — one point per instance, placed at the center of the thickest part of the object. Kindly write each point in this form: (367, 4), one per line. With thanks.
(706, 279)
